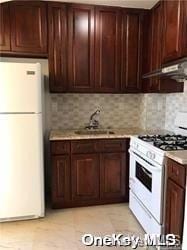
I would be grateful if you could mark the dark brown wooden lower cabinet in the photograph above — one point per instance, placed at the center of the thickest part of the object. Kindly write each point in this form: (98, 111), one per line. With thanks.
(89, 172)
(60, 180)
(113, 175)
(85, 177)
(175, 198)
(174, 208)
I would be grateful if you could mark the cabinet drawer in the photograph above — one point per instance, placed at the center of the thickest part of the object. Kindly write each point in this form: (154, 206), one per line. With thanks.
(176, 172)
(112, 145)
(83, 147)
(60, 147)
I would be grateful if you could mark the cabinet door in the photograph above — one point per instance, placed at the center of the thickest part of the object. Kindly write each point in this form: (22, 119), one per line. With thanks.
(108, 28)
(157, 24)
(184, 33)
(4, 27)
(172, 30)
(156, 45)
(113, 176)
(174, 209)
(57, 29)
(28, 27)
(60, 180)
(131, 51)
(153, 38)
(81, 48)
(85, 177)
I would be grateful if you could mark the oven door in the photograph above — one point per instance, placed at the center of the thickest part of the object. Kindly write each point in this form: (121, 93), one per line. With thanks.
(146, 182)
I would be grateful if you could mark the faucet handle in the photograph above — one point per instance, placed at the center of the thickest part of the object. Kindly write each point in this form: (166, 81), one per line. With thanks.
(94, 123)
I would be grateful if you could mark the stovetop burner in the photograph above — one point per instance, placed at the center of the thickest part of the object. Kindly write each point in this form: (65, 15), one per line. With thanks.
(166, 142)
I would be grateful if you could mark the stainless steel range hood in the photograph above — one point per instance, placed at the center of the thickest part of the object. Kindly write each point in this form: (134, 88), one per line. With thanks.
(177, 70)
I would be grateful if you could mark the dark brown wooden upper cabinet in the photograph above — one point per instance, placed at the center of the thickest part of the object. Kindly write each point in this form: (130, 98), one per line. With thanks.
(152, 53)
(28, 27)
(154, 48)
(81, 36)
(184, 33)
(57, 29)
(131, 51)
(108, 39)
(4, 27)
(156, 36)
(173, 29)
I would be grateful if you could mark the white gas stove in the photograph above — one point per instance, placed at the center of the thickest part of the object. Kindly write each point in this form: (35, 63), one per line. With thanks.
(147, 185)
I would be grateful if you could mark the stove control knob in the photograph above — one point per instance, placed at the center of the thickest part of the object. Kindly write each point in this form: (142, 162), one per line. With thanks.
(148, 154)
(152, 156)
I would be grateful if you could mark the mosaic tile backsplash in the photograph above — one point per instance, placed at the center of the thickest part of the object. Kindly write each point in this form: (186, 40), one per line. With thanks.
(174, 103)
(72, 111)
(149, 111)
(153, 111)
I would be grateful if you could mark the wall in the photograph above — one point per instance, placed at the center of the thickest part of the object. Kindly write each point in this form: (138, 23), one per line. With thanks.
(174, 103)
(72, 111)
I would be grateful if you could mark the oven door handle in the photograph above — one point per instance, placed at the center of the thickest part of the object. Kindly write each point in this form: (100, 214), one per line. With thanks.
(144, 162)
(146, 172)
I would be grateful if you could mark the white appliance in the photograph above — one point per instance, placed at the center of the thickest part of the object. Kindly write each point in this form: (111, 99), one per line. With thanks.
(146, 185)
(147, 173)
(21, 142)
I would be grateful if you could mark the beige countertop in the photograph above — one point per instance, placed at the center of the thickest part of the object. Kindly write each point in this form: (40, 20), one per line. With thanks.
(179, 156)
(57, 135)
(118, 133)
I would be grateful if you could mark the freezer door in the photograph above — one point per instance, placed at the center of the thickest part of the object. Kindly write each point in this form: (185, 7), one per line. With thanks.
(21, 166)
(20, 87)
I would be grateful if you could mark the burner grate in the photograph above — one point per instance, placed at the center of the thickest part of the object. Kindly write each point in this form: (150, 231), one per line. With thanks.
(166, 142)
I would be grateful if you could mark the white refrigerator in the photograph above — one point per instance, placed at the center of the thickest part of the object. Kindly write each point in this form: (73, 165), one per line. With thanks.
(21, 142)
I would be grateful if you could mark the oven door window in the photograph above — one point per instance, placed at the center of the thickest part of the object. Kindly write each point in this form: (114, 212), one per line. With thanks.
(144, 176)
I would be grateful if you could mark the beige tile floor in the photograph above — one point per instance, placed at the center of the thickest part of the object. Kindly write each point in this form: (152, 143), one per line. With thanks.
(62, 229)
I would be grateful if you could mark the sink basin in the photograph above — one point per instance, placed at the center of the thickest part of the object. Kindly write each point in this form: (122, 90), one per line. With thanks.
(93, 132)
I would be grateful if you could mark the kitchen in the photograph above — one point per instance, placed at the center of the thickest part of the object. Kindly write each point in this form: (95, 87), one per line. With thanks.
(114, 76)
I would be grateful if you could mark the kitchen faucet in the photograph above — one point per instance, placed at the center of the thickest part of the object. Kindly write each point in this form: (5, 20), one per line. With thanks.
(94, 122)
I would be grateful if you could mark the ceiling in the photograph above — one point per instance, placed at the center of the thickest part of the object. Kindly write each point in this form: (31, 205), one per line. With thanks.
(146, 4)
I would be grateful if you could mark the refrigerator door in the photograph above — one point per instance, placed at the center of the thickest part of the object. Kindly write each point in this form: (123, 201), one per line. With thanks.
(21, 167)
(20, 87)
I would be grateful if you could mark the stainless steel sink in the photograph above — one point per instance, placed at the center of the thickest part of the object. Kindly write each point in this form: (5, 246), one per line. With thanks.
(93, 132)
